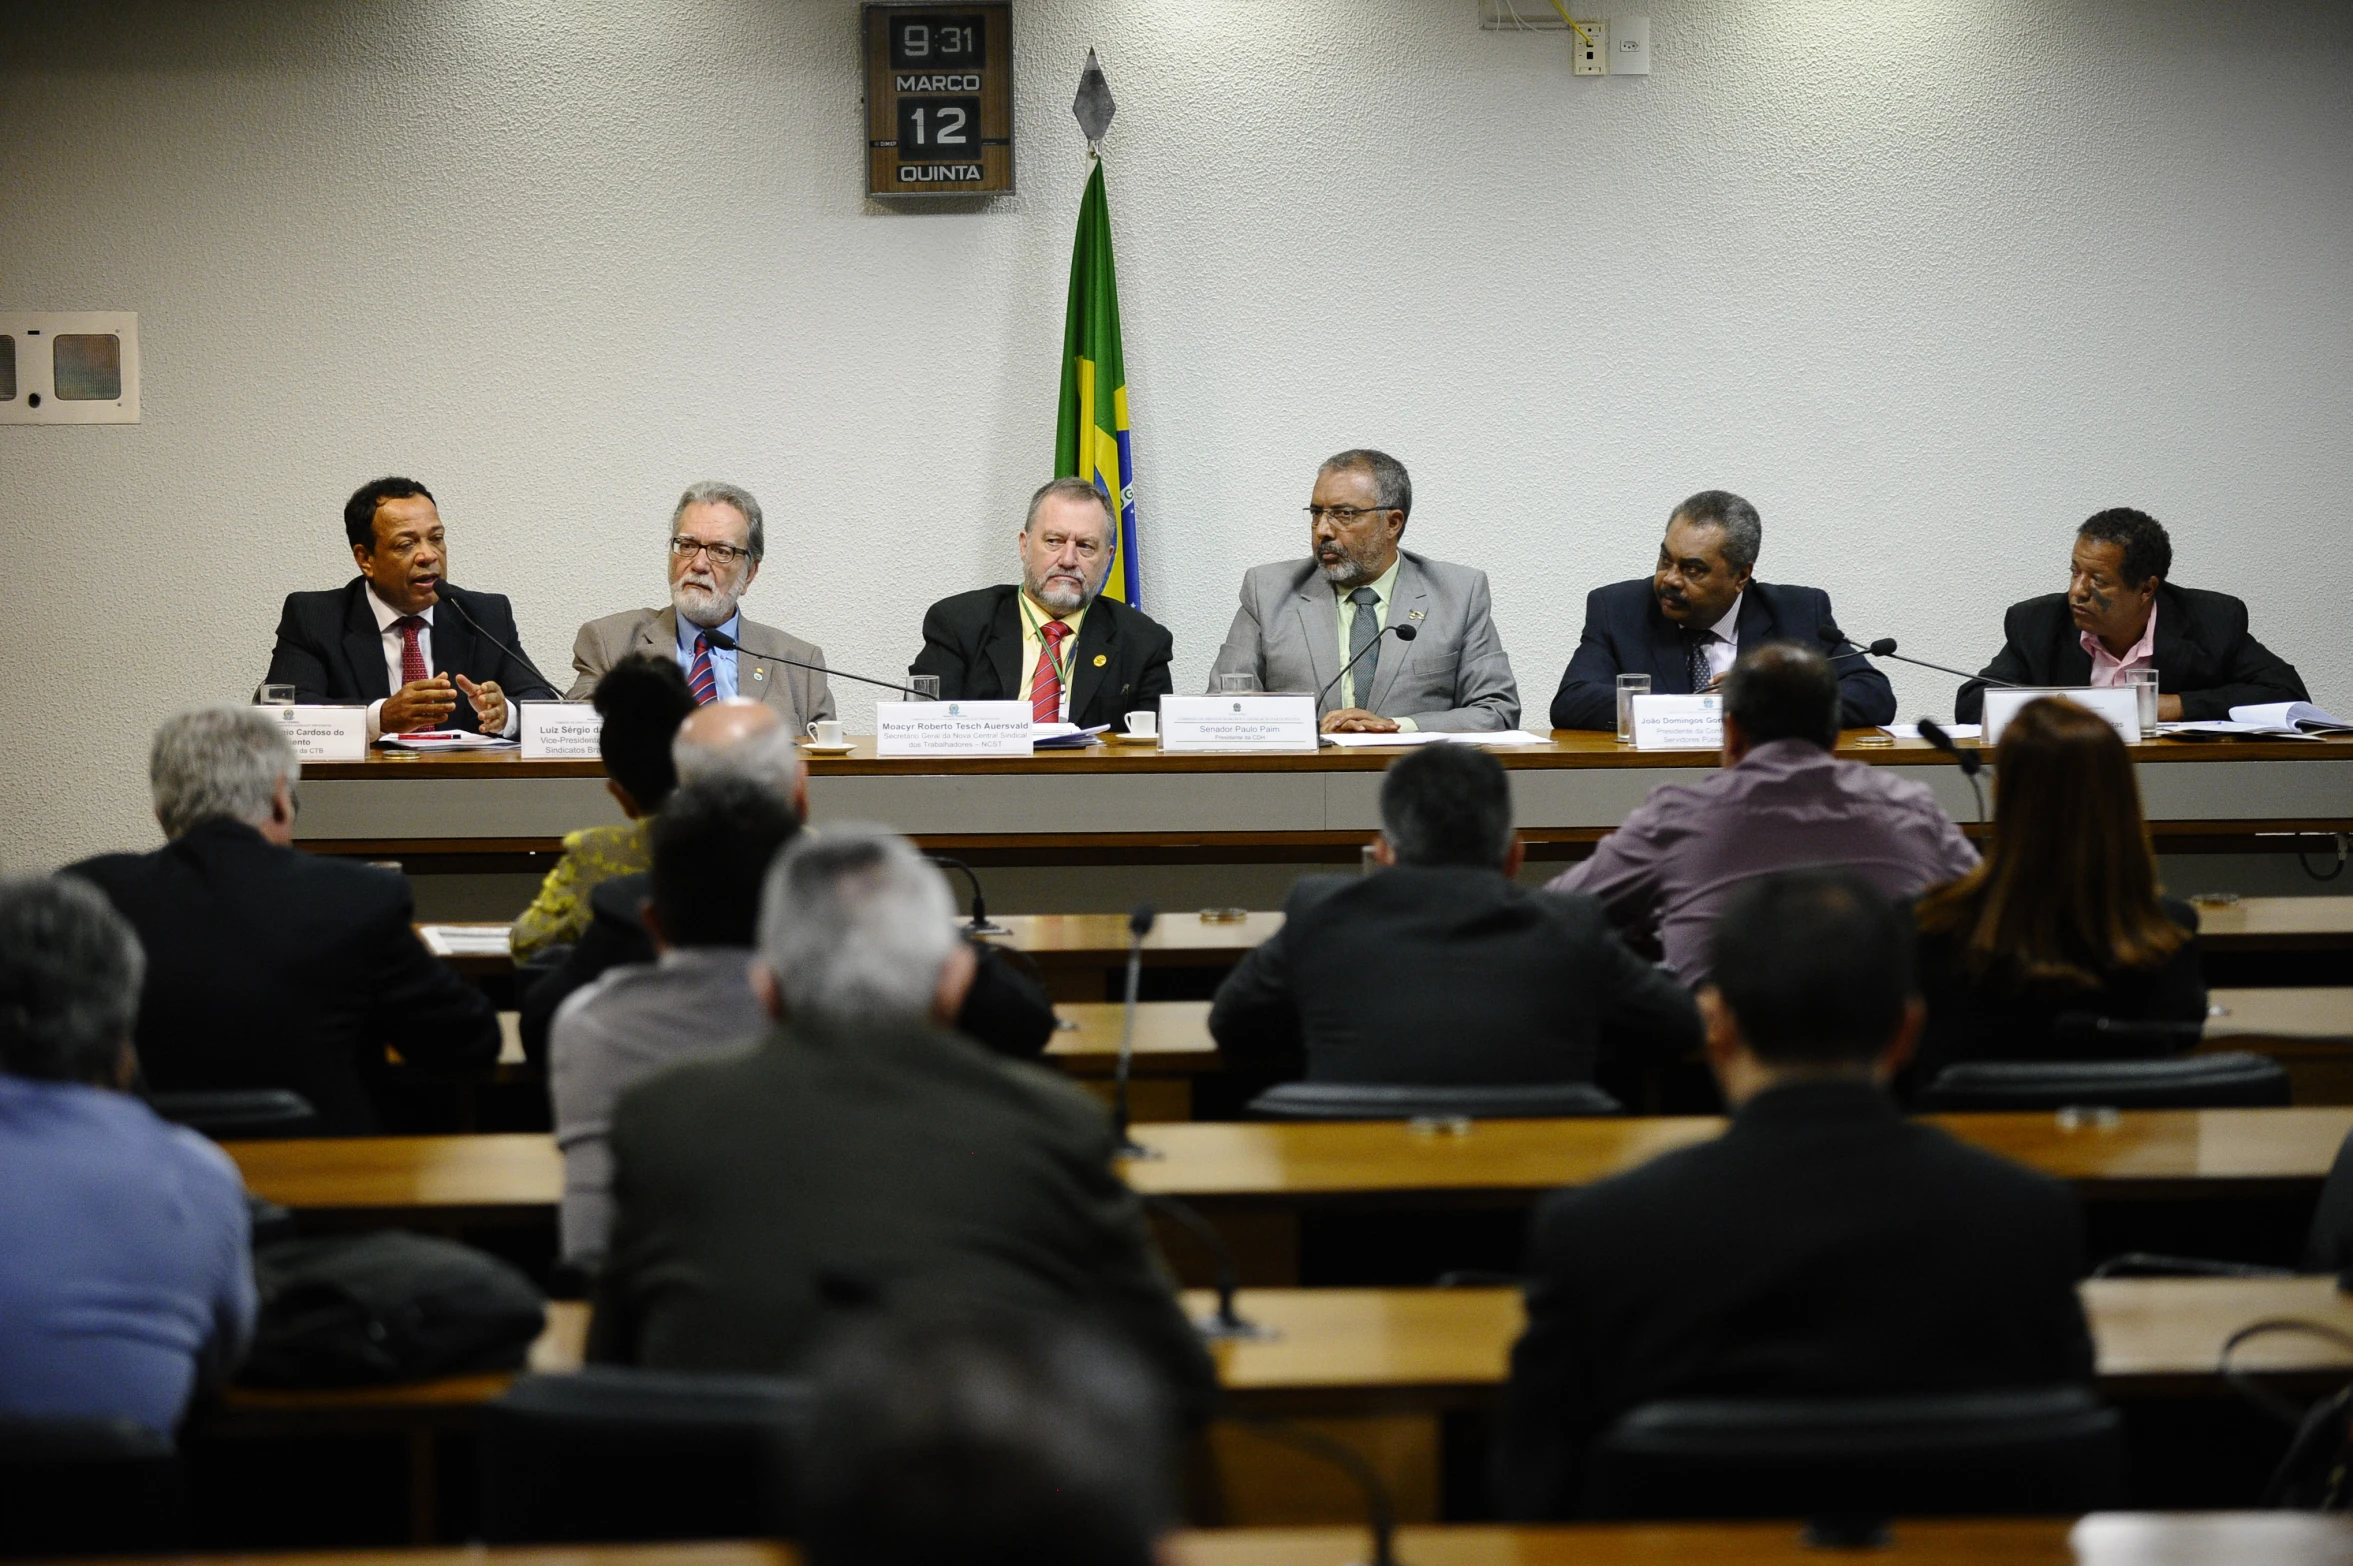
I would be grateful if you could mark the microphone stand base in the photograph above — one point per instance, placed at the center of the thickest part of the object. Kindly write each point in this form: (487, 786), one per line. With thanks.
(1137, 1151)
(984, 927)
(1216, 1329)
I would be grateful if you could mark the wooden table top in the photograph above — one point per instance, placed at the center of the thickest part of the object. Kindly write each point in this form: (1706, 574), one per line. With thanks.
(1185, 937)
(1171, 1036)
(2320, 1015)
(2276, 924)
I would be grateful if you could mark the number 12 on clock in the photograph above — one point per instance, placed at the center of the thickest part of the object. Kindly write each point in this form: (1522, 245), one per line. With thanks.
(939, 97)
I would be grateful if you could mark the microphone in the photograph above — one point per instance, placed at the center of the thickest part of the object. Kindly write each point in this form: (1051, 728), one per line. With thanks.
(1885, 648)
(980, 923)
(1380, 1513)
(1402, 630)
(727, 643)
(443, 594)
(1969, 761)
(1139, 925)
(1225, 1322)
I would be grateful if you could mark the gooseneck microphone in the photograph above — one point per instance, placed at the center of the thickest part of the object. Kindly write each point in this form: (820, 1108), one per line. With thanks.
(1885, 648)
(1380, 1513)
(1225, 1321)
(1139, 925)
(1970, 762)
(980, 923)
(443, 594)
(727, 643)
(1402, 630)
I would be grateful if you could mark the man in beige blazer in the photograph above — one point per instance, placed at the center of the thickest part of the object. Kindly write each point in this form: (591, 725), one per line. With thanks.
(716, 541)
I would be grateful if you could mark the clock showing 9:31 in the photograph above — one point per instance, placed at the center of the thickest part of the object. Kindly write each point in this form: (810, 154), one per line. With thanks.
(939, 98)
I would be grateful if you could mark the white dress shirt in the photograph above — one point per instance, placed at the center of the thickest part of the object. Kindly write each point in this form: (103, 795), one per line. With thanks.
(388, 632)
(1724, 651)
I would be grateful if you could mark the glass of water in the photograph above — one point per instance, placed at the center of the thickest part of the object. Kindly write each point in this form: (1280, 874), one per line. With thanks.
(274, 696)
(925, 686)
(2143, 683)
(1629, 687)
(1237, 684)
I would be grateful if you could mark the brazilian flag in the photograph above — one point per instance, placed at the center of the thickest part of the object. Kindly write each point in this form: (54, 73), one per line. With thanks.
(1091, 438)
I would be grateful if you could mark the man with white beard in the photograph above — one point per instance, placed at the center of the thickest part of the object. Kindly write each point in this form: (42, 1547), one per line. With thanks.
(716, 542)
(1073, 656)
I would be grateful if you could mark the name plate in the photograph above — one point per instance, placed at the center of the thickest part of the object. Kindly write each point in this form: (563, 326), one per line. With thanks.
(1678, 723)
(326, 733)
(951, 728)
(1259, 722)
(561, 731)
(2120, 705)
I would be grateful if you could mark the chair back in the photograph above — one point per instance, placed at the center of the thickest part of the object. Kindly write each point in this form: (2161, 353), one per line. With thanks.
(2227, 1081)
(2042, 1452)
(1396, 1101)
(609, 1453)
(88, 1487)
(239, 1114)
(2086, 1035)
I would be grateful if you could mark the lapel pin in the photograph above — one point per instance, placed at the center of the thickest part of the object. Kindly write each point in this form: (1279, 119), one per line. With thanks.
(1413, 614)
(1102, 659)
(759, 674)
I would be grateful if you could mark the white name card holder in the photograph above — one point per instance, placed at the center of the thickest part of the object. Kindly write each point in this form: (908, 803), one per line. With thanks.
(1678, 723)
(326, 733)
(1261, 722)
(2119, 705)
(561, 731)
(951, 728)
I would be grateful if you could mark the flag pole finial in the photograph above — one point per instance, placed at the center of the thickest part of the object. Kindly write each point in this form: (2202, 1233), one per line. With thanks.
(1093, 105)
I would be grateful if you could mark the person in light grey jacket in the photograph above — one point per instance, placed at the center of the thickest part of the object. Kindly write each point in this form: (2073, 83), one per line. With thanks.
(1388, 641)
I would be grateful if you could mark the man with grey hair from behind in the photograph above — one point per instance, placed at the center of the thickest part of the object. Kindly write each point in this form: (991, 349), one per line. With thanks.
(127, 1282)
(268, 967)
(716, 539)
(861, 1156)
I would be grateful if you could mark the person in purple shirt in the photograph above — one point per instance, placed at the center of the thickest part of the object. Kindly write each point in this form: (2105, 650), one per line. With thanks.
(1781, 801)
(126, 1280)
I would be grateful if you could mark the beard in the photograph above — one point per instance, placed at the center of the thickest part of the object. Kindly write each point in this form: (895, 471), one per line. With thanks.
(701, 599)
(1061, 594)
(1348, 570)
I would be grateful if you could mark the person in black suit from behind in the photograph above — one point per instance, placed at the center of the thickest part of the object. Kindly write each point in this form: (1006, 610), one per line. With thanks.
(2116, 583)
(268, 967)
(1439, 968)
(350, 644)
(2061, 915)
(991, 644)
(1703, 604)
(1823, 1246)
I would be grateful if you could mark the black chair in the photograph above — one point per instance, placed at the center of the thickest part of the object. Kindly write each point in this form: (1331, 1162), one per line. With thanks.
(1394, 1101)
(239, 1114)
(1846, 1463)
(2086, 1035)
(2229, 1081)
(88, 1487)
(609, 1453)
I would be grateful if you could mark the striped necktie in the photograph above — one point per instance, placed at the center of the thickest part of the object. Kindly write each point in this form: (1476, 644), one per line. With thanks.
(700, 679)
(1045, 683)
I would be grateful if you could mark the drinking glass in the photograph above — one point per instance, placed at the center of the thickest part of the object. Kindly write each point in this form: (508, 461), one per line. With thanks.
(1237, 684)
(274, 696)
(1629, 687)
(925, 686)
(2144, 690)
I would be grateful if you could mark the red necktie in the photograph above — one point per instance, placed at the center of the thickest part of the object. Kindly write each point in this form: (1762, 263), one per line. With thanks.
(700, 679)
(1045, 685)
(412, 656)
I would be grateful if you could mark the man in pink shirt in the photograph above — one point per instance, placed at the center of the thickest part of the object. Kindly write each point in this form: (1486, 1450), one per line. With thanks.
(1781, 801)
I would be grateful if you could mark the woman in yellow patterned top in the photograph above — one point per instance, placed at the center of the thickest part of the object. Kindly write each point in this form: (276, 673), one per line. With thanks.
(642, 700)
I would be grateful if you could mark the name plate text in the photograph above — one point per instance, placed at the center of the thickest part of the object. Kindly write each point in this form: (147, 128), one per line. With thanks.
(1258, 722)
(951, 728)
(560, 731)
(1678, 722)
(2119, 704)
(326, 733)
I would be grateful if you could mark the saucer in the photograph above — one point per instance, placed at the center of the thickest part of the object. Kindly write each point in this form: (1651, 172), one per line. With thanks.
(815, 749)
(1132, 739)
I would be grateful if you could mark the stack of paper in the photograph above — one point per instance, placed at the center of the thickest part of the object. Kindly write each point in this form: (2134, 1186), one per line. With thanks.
(443, 739)
(466, 940)
(2271, 720)
(1503, 737)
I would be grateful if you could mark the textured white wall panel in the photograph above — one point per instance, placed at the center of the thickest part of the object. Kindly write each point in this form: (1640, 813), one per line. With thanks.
(557, 259)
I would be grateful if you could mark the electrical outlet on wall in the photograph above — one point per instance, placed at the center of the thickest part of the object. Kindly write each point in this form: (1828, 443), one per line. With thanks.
(1630, 46)
(1589, 48)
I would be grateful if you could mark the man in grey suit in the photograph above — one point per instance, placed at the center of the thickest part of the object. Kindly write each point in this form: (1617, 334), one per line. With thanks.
(1332, 623)
(716, 541)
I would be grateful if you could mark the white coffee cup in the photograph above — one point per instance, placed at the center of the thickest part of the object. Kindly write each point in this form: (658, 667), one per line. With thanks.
(826, 731)
(1143, 725)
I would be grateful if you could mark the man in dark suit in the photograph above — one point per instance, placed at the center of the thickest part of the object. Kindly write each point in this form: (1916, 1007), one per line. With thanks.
(860, 1157)
(381, 638)
(1822, 1246)
(1687, 623)
(268, 967)
(2120, 613)
(1073, 656)
(1440, 968)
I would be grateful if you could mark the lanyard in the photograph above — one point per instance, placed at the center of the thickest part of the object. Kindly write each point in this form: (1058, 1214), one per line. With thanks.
(1037, 628)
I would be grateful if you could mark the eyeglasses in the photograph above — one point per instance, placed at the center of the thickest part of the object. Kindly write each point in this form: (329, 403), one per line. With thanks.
(1345, 516)
(722, 555)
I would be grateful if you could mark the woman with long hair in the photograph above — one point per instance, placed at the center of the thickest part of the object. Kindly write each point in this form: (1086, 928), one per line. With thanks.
(2061, 919)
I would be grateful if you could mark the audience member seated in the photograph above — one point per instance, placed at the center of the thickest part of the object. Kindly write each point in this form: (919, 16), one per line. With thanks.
(862, 1157)
(125, 1277)
(643, 700)
(2329, 1247)
(1781, 800)
(1000, 1444)
(1439, 967)
(1005, 1009)
(2063, 915)
(712, 847)
(1822, 1246)
(268, 967)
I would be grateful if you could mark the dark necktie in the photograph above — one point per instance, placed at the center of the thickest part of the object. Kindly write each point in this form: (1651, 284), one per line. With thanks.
(1700, 673)
(701, 679)
(1364, 632)
(412, 652)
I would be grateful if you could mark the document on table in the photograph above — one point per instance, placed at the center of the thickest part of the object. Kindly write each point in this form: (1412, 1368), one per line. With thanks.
(1505, 737)
(1063, 736)
(467, 940)
(443, 739)
(1912, 730)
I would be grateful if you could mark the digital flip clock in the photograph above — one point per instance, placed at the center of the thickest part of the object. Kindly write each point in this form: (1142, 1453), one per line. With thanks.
(939, 99)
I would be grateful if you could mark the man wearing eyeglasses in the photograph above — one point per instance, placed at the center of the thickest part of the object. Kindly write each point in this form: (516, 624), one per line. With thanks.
(1331, 623)
(716, 541)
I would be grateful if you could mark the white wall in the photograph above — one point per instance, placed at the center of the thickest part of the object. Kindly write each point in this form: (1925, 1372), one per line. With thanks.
(1929, 281)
